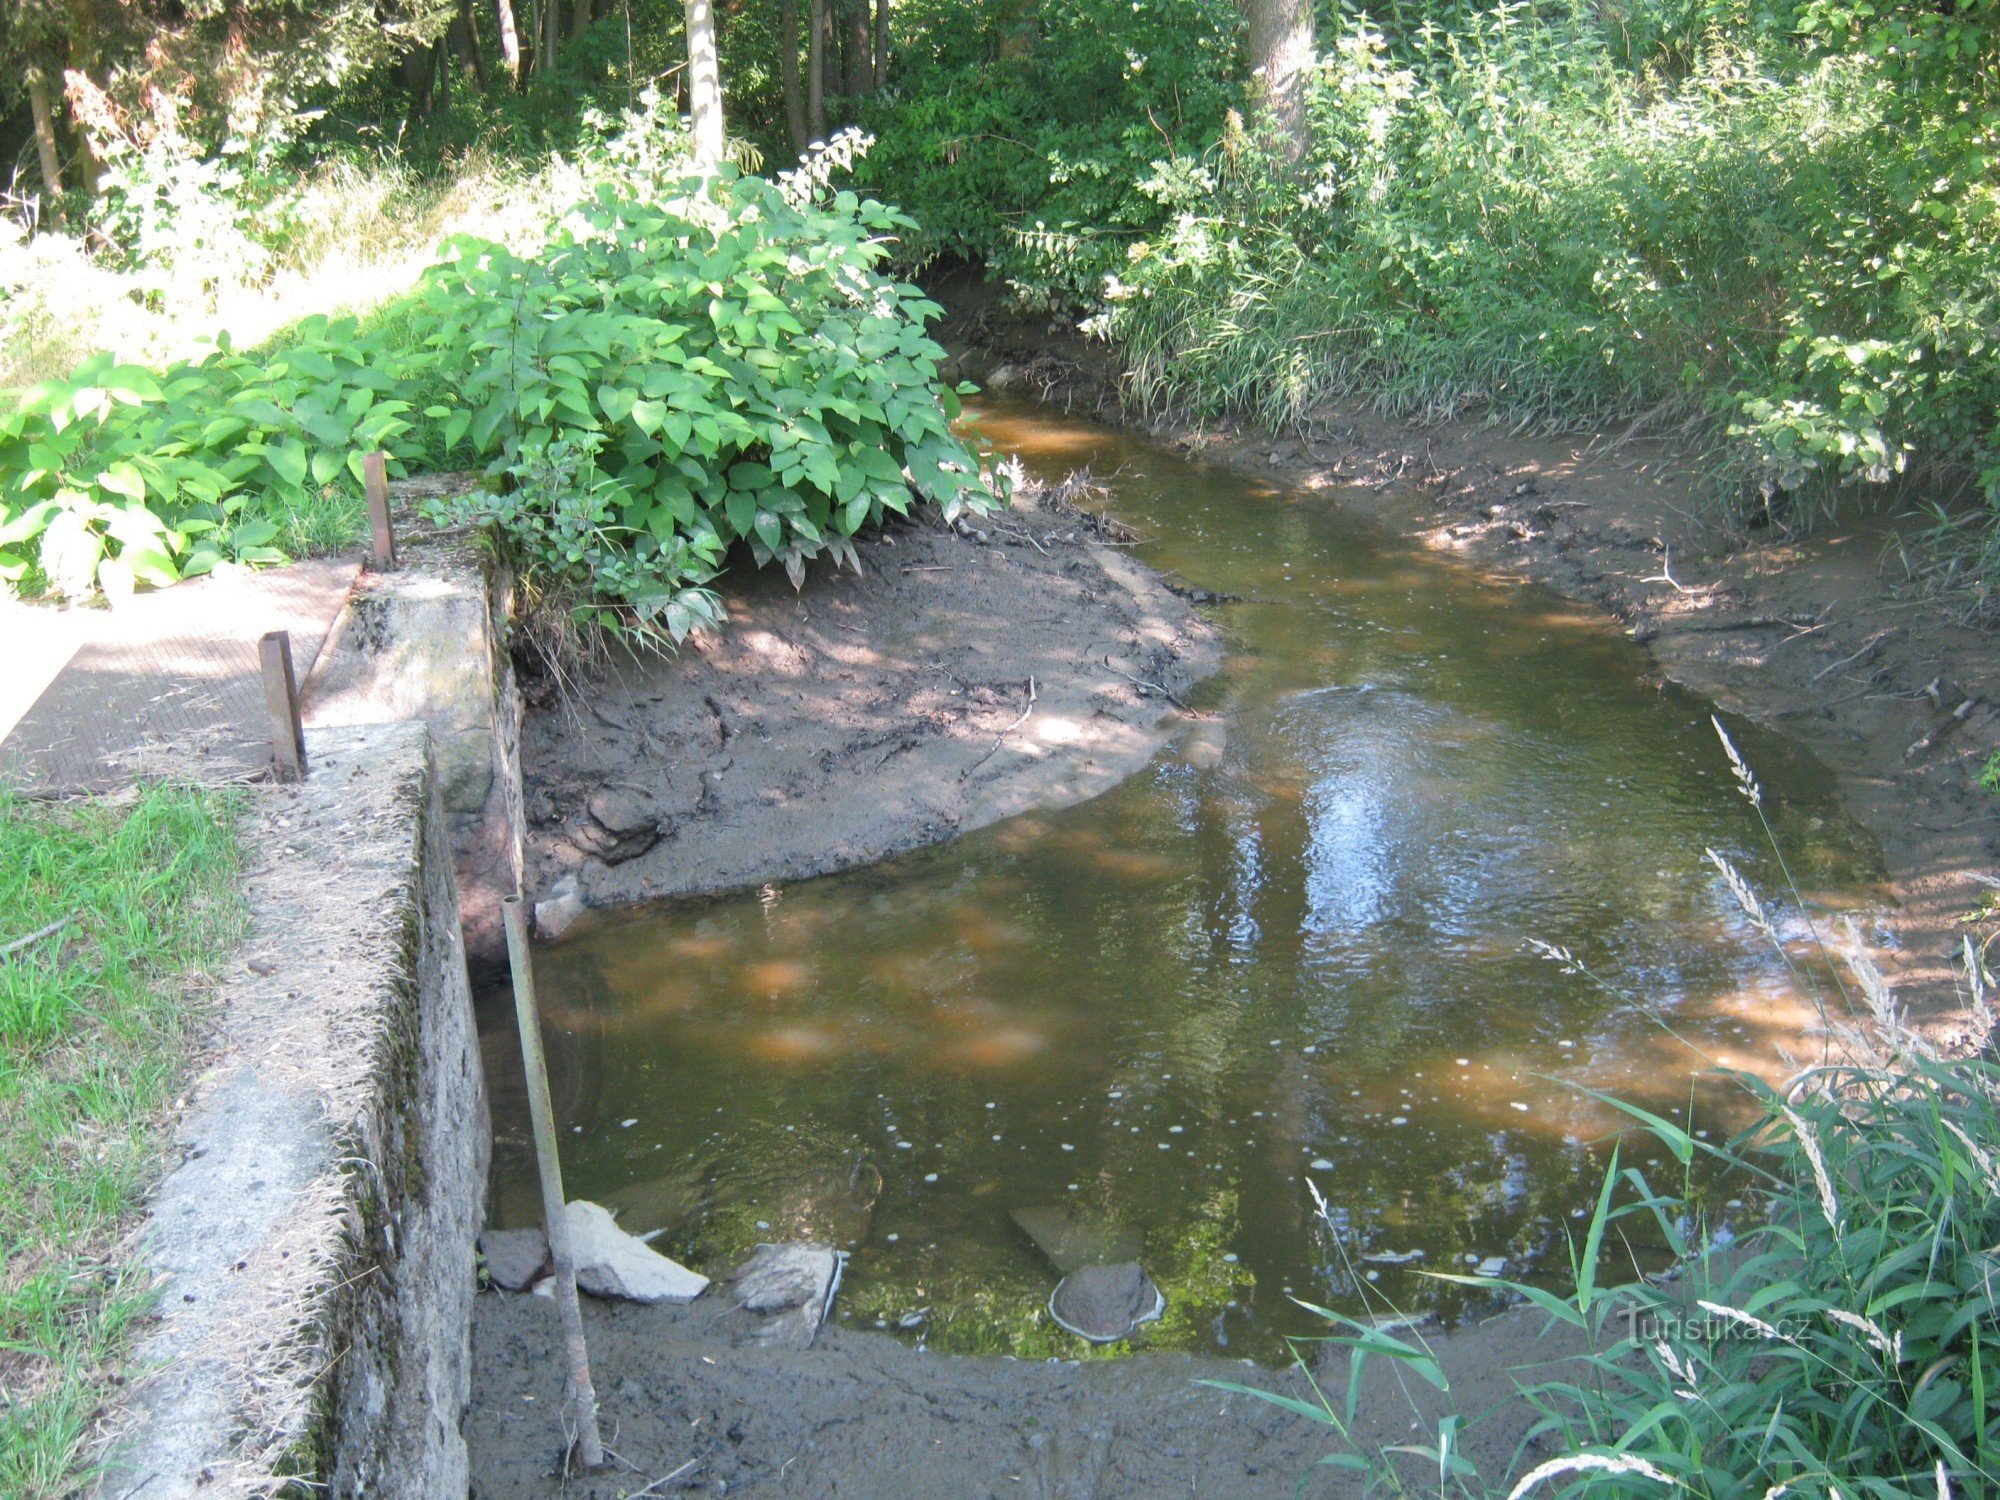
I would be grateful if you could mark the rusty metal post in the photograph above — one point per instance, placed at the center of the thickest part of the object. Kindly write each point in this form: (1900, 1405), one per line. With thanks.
(281, 702)
(375, 480)
(542, 1115)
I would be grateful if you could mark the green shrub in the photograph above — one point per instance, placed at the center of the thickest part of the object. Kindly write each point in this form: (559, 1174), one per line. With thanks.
(1021, 134)
(724, 364)
(1791, 251)
(678, 372)
(120, 475)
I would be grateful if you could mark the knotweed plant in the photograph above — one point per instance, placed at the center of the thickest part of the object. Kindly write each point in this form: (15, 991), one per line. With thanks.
(1846, 1347)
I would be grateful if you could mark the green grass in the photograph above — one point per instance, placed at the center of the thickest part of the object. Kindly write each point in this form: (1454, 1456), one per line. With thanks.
(96, 1026)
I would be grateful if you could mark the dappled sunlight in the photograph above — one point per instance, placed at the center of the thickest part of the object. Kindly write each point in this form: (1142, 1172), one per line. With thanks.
(794, 1044)
(1001, 1047)
(778, 977)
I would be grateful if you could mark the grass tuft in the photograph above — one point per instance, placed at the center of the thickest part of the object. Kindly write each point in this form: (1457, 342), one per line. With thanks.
(97, 1021)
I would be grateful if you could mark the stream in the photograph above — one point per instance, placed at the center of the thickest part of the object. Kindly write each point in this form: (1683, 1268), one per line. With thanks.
(1152, 1025)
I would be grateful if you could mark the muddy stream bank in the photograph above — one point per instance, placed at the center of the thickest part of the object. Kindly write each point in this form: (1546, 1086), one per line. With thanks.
(1148, 995)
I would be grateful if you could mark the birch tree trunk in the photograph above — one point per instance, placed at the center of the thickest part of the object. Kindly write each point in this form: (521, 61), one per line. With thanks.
(704, 83)
(1282, 53)
(510, 39)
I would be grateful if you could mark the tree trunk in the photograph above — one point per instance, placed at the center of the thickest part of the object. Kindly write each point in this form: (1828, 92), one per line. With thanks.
(581, 14)
(510, 40)
(860, 49)
(415, 72)
(468, 44)
(1282, 54)
(816, 72)
(45, 133)
(1017, 29)
(788, 73)
(704, 83)
(551, 32)
(881, 78)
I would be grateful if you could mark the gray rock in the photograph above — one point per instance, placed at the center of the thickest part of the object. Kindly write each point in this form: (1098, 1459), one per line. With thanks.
(622, 810)
(611, 848)
(786, 1292)
(612, 1263)
(1072, 1237)
(1206, 744)
(1002, 377)
(618, 824)
(1106, 1303)
(556, 914)
(515, 1258)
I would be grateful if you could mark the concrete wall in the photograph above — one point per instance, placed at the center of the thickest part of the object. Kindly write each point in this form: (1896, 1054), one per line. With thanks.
(316, 1245)
(427, 641)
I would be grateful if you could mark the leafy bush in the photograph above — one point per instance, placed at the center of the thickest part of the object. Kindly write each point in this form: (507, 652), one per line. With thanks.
(724, 365)
(119, 475)
(1845, 1346)
(1789, 249)
(721, 363)
(1020, 134)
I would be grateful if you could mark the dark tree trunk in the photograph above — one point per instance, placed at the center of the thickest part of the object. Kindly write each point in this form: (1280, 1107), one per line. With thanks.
(1017, 28)
(816, 27)
(46, 148)
(465, 32)
(551, 33)
(881, 78)
(1282, 46)
(788, 73)
(581, 14)
(415, 73)
(860, 68)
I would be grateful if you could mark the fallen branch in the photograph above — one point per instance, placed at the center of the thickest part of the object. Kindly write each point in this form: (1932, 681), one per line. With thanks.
(654, 1487)
(37, 935)
(1746, 622)
(995, 747)
(1867, 646)
(1958, 716)
(1160, 688)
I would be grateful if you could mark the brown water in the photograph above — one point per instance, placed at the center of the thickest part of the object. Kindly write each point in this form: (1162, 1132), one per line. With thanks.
(1165, 1011)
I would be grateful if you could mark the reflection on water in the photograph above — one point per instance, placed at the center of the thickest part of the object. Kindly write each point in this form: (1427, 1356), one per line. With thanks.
(1160, 1013)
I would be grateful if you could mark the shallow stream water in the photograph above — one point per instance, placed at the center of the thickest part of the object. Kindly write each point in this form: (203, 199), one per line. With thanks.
(1153, 1023)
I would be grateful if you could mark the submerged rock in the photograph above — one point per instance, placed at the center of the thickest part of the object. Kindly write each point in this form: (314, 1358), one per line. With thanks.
(556, 914)
(1106, 1303)
(1393, 1257)
(1073, 1237)
(612, 1263)
(515, 1258)
(786, 1291)
(1206, 744)
(658, 1203)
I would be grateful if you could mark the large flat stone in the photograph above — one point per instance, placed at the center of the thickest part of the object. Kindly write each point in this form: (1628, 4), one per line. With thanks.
(612, 1263)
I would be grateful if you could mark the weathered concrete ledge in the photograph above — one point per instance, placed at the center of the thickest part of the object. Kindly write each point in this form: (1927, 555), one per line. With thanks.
(314, 1248)
(427, 641)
